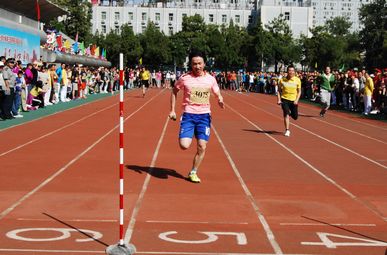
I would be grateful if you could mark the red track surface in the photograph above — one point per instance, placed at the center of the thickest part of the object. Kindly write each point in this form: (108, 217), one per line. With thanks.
(321, 191)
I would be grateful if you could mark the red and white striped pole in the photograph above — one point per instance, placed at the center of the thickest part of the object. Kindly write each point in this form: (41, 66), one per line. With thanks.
(121, 149)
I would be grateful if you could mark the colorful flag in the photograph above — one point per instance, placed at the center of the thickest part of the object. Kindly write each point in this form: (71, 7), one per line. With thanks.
(67, 44)
(37, 7)
(76, 37)
(88, 51)
(140, 61)
(82, 48)
(96, 53)
(75, 47)
(104, 54)
(59, 41)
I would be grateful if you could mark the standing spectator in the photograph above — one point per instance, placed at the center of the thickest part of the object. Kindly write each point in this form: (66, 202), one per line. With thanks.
(2, 88)
(368, 90)
(46, 80)
(17, 98)
(9, 93)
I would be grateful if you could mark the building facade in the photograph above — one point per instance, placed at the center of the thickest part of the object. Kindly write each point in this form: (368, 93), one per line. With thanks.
(324, 10)
(168, 17)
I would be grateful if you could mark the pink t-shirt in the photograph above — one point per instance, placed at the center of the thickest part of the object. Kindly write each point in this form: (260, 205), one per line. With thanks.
(197, 91)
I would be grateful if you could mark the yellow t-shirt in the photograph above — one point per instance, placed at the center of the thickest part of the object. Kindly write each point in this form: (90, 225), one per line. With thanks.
(289, 88)
(369, 87)
(35, 91)
(145, 75)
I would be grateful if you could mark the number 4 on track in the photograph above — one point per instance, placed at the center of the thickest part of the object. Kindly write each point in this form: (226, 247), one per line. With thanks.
(331, 244)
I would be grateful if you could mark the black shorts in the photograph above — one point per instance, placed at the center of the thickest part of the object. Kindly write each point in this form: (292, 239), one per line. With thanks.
(289, 108)
(145, 83)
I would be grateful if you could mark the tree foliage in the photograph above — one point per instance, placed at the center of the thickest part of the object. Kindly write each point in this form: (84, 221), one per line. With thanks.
(373, 36)
(78, 21)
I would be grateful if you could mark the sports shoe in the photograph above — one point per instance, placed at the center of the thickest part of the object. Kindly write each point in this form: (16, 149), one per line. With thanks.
(287, 132)
(322, 113)
(18, 116)
(193, 177)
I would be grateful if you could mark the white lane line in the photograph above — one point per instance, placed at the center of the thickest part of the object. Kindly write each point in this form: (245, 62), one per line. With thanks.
(195, 222)
(136, 209)
(266, 227)
(312, 167)
(334, 224)
(73, 108)
(55, 131)
(321, 137)
(141, 252)
(52, 177)
(333, 113)
(351, 131)
(72, 220)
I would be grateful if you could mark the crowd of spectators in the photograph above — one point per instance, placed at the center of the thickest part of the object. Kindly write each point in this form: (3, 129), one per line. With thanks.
(38, 85)
(347, 93)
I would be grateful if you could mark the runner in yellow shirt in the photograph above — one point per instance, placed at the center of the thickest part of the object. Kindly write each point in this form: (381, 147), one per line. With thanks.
(289, 93)
(145, 77)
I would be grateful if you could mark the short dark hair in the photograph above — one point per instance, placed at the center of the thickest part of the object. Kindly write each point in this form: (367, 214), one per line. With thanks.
(290, 66)
(197, 53)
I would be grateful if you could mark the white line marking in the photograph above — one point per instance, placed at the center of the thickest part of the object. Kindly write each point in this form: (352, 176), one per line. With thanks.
(332, 113)
(52, 177)
(195, 222)
(136, 209)
(45, 116)
(311, 166)
(354, 132)
(142, 252)
(266, 227)
(321, 224)
(72, 220)
(55, 131)
(321, 137)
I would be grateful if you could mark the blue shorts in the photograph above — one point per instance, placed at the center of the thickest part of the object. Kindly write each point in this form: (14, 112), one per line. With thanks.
(195, 124)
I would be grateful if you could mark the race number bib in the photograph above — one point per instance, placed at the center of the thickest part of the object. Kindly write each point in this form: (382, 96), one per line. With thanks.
(200, 96)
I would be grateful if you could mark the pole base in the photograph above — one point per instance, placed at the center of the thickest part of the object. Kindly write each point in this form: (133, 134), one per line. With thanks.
(118, 249)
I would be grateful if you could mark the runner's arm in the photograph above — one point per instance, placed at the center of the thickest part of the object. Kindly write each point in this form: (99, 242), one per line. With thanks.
(220, 99)
(172, 114)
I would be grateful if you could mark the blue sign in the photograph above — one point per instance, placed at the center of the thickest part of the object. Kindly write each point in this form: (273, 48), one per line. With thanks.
(19, 45)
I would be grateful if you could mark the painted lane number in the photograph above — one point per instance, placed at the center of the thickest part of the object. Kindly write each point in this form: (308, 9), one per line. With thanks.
(63, 233)
(211, 237)
(355, 241)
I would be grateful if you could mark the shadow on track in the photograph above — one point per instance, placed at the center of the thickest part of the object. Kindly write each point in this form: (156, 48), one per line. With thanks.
(347, 230)
(76, 229)
(269, 132)
(158, 172)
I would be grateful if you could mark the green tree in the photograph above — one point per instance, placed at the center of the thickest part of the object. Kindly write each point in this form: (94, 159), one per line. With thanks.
(156, 46)
(77, 21)
(130, 45)
(257, 47)
(283, 47)
(373, 36)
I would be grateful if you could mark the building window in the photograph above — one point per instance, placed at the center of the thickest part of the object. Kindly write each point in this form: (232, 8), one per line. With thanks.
(287, 15)
(143, 16)
(117, 16)
(170, 30)
(215, 1)
(116, 27)
(130, 16)
(184, 15)
(211, 17)
(143, 28)
(224, 18)
(237, 18)
(103, 28)
(250, 19)
(157, 17)
(103, 15)
(170, 17)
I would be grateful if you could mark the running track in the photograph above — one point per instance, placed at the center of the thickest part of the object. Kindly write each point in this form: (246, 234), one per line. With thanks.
(321, 191)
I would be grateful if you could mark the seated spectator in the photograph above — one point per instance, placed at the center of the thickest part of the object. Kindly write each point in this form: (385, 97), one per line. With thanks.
(36, 97)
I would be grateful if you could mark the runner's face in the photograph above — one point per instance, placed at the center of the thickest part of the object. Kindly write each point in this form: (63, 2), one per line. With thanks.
(291, 72)
(327, 70)
(197, 64)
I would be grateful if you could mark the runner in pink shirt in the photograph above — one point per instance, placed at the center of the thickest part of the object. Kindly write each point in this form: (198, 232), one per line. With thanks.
(196, 119)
